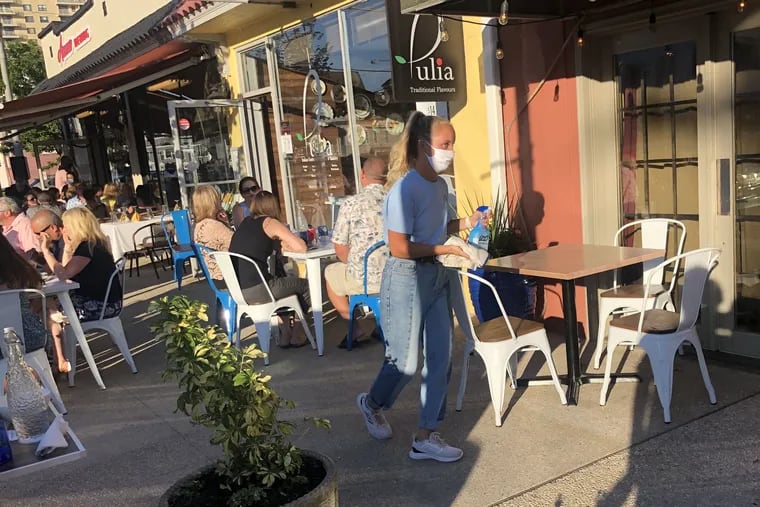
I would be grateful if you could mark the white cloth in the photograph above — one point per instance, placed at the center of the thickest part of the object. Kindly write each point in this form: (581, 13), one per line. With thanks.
(54, 437)
(478, 256)
(119, 235)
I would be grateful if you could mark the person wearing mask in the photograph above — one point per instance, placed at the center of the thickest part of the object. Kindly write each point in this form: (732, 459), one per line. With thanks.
(414, 292)
(65, 173)
(30, 202)
(86, 260)
(248, 187)
(359, 226)
(258, 237)
(17, 228)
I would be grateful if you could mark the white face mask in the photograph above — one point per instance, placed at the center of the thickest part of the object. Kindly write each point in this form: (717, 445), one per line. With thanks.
(441, 159)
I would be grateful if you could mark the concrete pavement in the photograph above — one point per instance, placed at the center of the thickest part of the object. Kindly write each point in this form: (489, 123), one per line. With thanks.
(544, 454)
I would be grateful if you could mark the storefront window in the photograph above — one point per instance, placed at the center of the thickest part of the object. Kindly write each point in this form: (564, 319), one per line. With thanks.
(379, 119)
(658, 111)
(255, 68)
(747, 114)
(314, 111)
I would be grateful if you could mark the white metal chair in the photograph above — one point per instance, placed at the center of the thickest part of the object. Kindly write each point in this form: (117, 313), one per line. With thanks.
(111, 325)
(497, 341)
(628, 298)
(660, 332)
(260, 313)
(10, 316)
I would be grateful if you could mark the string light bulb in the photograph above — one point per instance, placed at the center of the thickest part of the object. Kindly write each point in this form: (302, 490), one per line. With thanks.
(740, 7)
(504, 13)
(499, 50)
(444, 34)
(580, 37)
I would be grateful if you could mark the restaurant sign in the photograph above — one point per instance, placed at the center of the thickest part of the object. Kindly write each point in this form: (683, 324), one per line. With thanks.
(66, 47)
(425, 65)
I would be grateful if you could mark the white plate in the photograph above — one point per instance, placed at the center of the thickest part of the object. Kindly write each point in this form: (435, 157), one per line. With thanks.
(318, 91)
(326, 113)
(362, 106)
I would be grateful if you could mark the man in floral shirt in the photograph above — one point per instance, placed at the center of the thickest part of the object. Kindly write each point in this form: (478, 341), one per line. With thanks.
(359, 226)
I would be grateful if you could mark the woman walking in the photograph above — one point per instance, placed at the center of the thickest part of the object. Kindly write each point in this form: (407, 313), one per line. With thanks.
(416, 314)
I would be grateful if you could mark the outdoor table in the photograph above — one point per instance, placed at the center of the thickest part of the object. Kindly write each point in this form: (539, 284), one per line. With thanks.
(55, 287)
(568, 263)
(25, 461)
(119, 234)
(314, 275)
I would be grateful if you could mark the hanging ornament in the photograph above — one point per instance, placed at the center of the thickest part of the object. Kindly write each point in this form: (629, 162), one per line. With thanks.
(504, 13)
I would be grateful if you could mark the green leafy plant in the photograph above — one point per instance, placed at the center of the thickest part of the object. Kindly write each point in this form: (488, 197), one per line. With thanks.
(222, 390)
(506, 237)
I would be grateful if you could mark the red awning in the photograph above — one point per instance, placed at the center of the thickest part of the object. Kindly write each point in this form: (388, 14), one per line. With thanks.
(46, 106)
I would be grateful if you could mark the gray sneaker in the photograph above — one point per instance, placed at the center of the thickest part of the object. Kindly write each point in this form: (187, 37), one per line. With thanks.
(377, 426)
(435, 448)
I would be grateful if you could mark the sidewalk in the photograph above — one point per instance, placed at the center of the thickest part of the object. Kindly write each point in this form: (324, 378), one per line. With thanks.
(137, 446)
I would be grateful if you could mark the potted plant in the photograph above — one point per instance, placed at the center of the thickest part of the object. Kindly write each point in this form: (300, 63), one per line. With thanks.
(517, 292)
(223, 391)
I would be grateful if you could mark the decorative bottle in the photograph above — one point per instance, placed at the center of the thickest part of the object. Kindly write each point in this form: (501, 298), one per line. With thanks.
(26, 402)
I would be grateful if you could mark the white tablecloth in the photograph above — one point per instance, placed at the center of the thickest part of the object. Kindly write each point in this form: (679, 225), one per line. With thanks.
(119, 234)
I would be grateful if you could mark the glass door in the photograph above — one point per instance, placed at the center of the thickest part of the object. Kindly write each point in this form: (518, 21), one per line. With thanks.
(209, 144)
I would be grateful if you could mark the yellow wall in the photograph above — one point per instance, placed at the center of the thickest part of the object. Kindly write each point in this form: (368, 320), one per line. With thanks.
(121, 15)
(472, 167)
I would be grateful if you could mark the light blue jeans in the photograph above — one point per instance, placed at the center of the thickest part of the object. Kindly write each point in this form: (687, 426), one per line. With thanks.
(414, 303)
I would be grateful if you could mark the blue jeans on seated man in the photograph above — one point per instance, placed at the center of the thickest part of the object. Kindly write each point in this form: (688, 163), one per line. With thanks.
(414, 298)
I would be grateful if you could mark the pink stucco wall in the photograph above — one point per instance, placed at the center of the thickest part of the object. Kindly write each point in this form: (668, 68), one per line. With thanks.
(542, 139)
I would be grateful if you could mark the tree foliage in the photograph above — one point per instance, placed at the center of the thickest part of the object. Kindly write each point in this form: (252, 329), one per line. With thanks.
(26, 69)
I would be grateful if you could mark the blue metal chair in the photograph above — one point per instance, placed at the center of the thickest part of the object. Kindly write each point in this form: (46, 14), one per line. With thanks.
(370, 300)
(182, 249)
(222, 296)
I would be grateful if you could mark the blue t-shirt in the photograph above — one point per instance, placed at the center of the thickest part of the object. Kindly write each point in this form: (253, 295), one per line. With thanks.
(417, 207)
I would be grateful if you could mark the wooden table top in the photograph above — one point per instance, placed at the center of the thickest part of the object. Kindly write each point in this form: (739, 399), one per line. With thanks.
(570, 262)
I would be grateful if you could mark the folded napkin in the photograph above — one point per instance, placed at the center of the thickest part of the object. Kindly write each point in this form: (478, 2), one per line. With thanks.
(54, 437)
(478, 256)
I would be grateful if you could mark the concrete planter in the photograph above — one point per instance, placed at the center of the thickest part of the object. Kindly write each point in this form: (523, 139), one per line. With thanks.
(325, 494)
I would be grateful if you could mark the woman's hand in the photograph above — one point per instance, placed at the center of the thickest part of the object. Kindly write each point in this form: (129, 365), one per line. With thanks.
(44, 241)
(456, 250)
(480, 215)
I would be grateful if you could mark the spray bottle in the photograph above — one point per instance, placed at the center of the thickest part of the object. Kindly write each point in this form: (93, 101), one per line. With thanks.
(479, 235)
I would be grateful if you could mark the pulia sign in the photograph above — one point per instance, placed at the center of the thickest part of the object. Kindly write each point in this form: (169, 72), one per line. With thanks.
(424, 67)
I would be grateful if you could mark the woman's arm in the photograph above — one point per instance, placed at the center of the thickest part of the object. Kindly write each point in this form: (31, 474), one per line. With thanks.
(72, 267)
(402, 248)
(460, 224)
(277, 230)
(237, 215)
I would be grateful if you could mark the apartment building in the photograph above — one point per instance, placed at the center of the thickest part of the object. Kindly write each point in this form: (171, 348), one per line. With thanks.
(24, 19)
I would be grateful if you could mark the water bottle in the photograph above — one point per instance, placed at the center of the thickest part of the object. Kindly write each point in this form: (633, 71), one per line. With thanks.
(6, 453)
(479, 235)
(26, 402)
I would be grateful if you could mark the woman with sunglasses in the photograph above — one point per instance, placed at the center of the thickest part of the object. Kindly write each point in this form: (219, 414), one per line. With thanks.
(248, 187)
(30, 201)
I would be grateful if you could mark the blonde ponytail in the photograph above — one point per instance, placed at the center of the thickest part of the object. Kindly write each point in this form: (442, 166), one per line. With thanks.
(404, 152)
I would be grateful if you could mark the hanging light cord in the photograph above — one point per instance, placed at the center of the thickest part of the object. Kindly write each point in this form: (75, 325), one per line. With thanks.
(510, 170)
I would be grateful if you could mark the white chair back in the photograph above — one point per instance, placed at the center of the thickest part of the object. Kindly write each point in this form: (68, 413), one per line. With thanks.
(119, 271)
(224, 261)
(498, 301)
(697, 267)
(654, 234)
(10, 313)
